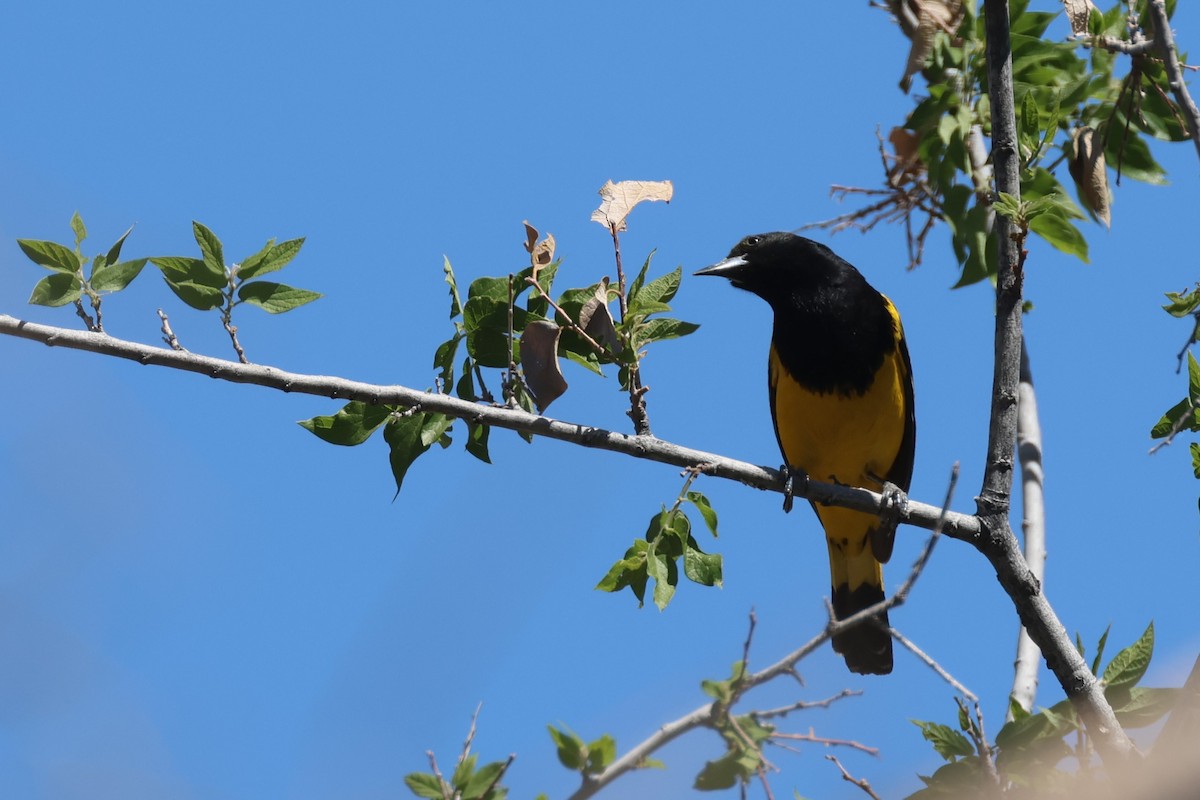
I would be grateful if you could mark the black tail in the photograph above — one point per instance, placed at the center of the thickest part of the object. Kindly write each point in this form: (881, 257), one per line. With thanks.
(866, 648)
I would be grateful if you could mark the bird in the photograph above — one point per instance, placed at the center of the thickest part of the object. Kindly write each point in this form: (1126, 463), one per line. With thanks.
(840, 385)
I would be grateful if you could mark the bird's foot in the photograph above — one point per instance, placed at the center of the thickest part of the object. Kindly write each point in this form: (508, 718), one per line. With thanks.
(795, 477)
(895, 505)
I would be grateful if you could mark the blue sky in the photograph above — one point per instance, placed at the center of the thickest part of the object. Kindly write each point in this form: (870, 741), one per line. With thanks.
(198, 599)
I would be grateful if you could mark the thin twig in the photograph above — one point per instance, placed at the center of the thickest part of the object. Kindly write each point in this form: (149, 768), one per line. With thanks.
(168, 334)
(1033, 527)
(859, 782)
(637, 392)
(935, 666)
(86, 317)
(574, 326)
(814, 739)
(803, 705)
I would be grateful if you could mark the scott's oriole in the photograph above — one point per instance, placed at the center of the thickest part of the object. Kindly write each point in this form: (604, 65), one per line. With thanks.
(841, 390)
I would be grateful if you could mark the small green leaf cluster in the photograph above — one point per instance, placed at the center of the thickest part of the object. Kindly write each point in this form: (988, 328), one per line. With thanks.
(656, 556)
(1030, 748)
(468, 782)
(587, 759)
(743, 736)
(1061, 88)
(67, 282)
(207, 282)
(408, 432)
(1184, 415)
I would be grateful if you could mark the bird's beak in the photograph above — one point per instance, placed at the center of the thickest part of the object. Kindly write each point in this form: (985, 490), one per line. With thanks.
(730, 268)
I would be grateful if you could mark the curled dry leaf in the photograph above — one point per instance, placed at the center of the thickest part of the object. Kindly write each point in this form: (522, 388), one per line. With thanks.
(908, 161)
(618, 199)
(1090, 172)
(597, 321)
(540, 253)
(539, 362)
(1078, 12)
(932, 16)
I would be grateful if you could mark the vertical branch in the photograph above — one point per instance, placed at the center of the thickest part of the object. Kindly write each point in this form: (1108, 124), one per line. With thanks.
(1029, 453)
(997, 541)
(637, 393)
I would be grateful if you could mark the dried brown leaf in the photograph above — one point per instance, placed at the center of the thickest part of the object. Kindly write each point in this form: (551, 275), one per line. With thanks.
(1090, 172)
(1078, 12)
(539, 362)
(597, 321)
(540, 253)
(905, 145)
(618, 199)
(932, 16)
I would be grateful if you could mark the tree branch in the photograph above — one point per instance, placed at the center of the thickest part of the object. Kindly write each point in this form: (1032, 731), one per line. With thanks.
(1166, 47)
(1029, 451)
(998, 543)
(957, 526)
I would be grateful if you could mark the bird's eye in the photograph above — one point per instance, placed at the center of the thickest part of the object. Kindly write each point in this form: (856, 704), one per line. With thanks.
(752, 241)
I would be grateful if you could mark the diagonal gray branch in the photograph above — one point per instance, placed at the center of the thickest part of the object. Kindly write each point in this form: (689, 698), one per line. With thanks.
(998, 543)
(956, 526)
(1165, 40)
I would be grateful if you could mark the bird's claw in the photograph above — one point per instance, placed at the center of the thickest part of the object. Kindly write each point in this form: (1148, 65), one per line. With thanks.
(793, 476)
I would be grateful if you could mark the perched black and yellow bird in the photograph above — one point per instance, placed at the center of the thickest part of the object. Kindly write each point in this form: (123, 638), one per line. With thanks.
(841, 392)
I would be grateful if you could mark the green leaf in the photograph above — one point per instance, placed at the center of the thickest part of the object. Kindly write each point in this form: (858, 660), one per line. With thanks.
(1047, 724)
(443, 359)
(725, 772)
(1176, 412)
(483, 779)
(210, 248)
(1195, 450)
(1061, 234)
(350, 426)
(1129, 665)
(630, 571)
(601, 753)
(422, 784)
(403, 435)
(665, 573)
(455, 302)
(1182, 303)
(1146, 706)
(433, 427)
(706, 510)
(1193, 379)
(1017, 710)
(51, 255)
(1130, 156)
(659, 329)
(477, 441)
(572, 753)
(115, 277)
(948, 743)
(275, 298)
(114, 253)
(700, 567)
(181, 269)
(486, 322)
(198, 296)
(56, 290)
(462, 771)
(78, 228)
(662, 289)
(635, 288)
(271, 258)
